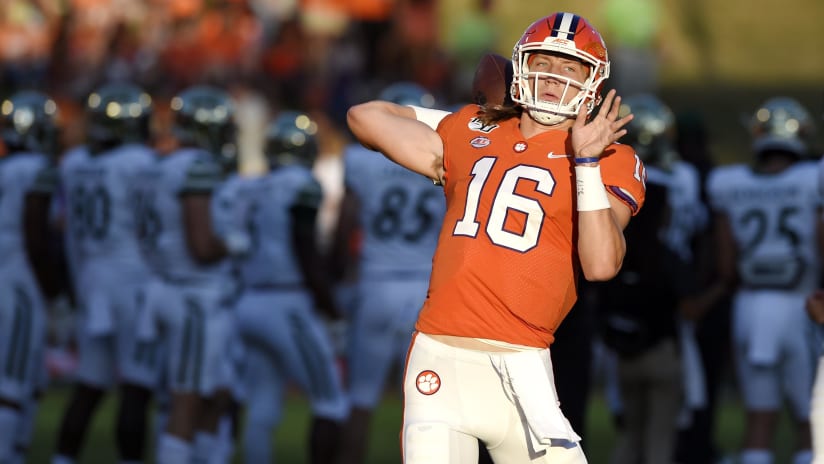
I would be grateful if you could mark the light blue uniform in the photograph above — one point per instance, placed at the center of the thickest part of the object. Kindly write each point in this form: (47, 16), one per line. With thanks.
(400, 217)
(22, 312)
(109, 274)
(285, 338)
(186, 304)
(773, 220)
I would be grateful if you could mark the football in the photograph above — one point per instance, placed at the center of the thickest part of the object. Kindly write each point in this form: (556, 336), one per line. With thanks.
(492, 80)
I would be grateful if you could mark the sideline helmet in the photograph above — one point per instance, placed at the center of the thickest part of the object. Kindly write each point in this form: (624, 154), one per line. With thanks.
(204, 117)
(117, 113)
(408, 93)
(29, 123)
(291, 138)
(782, 124)
(652, 130)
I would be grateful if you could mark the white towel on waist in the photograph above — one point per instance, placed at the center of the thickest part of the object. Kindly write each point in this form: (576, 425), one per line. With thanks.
(529, 375)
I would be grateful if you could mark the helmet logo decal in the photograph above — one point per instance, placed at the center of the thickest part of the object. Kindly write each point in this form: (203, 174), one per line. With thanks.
(428, 382)
(520, 147)
(596, 49)
(565, 25)
(479, 142)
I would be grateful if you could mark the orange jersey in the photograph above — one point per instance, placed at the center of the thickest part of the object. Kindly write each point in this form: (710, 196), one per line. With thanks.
(506, 265)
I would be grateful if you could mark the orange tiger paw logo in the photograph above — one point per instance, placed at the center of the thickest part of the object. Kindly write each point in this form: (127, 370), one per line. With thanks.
(428, 382)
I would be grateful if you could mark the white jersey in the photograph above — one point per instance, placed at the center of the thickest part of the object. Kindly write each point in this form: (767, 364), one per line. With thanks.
(228, 205)
(689, 215)
(400, 213)
(20, 174)
(22, 316)
(229, 218)
(159, 211)
(773, 218)
(100, 219)
(272, 261)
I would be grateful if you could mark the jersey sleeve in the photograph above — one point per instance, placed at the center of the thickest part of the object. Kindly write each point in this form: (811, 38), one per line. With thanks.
(45, 180)
(202, 177)
(715, 184)
(352, 164)
(623, 175)
(309, 195)
(450, 125)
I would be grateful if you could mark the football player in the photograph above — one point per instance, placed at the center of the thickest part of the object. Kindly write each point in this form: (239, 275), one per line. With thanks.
(287, 297)
(640, 320)
(27, 179)
(109, 274)
(187, 303)
(399, 220)
(536, 193)
(768, 220)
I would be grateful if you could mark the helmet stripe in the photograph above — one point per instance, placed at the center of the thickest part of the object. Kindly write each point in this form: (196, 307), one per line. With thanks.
(566, 24)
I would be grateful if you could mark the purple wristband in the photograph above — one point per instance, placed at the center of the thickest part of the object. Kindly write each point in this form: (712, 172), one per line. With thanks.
(587, 160)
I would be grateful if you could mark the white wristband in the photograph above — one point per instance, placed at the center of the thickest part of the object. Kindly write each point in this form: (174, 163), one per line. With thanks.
(429, 116)
(592, 195)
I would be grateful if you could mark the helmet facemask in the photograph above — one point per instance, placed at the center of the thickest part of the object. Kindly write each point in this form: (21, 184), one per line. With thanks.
(525, 87)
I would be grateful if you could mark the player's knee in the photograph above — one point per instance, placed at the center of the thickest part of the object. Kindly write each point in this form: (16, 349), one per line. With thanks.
(426, 443)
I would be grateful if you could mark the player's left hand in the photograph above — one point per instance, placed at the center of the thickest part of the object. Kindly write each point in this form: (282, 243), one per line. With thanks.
(591, 138)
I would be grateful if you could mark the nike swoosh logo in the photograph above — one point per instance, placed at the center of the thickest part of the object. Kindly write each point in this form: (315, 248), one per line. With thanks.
(552, 155)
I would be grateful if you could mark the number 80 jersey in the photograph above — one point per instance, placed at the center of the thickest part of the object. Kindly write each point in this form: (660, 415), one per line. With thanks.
(506, 264)
(773, 219)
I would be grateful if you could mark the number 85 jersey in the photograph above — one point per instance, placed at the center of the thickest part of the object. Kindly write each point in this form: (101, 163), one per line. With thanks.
(773, 220)
(400, 214)
(506, 265)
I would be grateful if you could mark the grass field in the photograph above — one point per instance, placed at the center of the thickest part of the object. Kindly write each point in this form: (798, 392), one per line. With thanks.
(290, 439)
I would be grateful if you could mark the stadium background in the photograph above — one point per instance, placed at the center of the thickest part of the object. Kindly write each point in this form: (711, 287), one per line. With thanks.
(718, 59)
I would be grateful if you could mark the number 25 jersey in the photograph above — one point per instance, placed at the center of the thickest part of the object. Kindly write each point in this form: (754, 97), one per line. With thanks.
(773, 220)
(506, 265)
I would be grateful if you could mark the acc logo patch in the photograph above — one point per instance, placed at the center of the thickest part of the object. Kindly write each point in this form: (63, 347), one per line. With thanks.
(479, 142)
(428, 382)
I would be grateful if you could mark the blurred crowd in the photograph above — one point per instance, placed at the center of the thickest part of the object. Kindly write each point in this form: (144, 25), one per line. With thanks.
(315, 55)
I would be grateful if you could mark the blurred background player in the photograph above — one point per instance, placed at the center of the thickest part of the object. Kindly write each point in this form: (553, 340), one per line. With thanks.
(98, 180)
(400, 218)
(768, 221)
(708, 311)
(815, 309)
(286, 296)
(27, 179)
(187, 305)
(640, 320)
